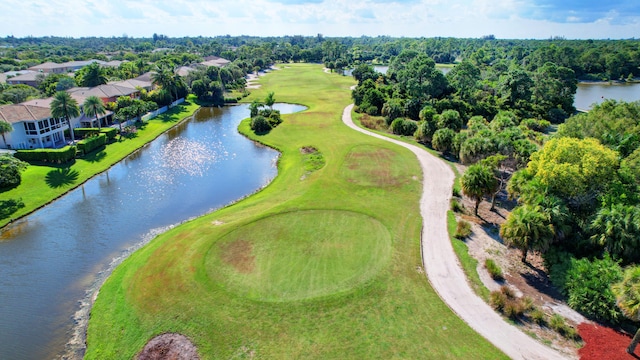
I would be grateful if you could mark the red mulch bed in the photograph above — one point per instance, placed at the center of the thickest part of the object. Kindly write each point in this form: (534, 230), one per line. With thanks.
(601, 342)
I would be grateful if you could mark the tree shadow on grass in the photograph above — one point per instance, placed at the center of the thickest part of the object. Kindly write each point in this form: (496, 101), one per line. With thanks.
(61, 177)
(8, 207)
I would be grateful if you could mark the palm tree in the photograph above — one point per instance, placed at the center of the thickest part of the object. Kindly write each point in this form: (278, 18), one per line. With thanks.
(92, 75)
(5, 127)
(93, 106)
(617, 229)
(165, 77)
(627, 293)
(270, 100)
(526, 228)
(64, 106)
(477, 182)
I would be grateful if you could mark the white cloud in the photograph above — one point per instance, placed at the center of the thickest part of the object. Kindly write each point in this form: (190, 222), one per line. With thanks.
(460, 18)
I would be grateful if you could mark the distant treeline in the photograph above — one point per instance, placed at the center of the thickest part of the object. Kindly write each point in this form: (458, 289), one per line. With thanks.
(589, 59)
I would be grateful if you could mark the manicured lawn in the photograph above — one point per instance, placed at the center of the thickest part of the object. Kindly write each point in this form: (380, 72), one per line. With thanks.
(320, 265)
(42, 184)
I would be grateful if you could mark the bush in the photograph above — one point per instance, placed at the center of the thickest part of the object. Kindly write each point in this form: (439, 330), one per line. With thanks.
(537, 316)
(404, 127)
(463, 229)
(110, 133)
(506, 303)
(558, 324)
(260, 124)
(58, 156)
(10, 169)
(456, 206)
(443, 140)
(588, 286)
(81, 133)
(89, 144)
(493, 269)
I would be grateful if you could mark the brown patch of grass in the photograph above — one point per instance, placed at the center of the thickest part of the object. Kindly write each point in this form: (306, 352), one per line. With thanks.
(375, 123)
(308, 150)
(375, 165)
(238, 255)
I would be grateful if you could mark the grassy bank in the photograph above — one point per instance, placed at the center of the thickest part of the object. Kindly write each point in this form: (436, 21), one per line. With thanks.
(43, 184)
(320, 265)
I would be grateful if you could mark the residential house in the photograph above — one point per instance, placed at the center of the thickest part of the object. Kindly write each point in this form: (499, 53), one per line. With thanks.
(107, 92)
(30, 78)
(215, 61)
(70, 66)
(33, 127)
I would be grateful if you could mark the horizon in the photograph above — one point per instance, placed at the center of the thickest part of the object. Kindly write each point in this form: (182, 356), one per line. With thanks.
(504, 19)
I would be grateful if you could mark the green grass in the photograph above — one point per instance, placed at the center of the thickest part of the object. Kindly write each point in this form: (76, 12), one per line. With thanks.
(321, 255)
(43, 184)
(339, 254)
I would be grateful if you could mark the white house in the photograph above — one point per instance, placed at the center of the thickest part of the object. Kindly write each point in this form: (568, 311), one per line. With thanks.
(33, 127)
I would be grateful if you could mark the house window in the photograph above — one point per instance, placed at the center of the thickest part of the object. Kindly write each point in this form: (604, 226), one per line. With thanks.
(30, 128)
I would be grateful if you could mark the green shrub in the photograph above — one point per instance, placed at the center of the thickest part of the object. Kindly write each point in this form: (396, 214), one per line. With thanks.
(404, 127)
(260, 124)
(537, 316)
(456, 206)
(443, 140)
(558, 324)
(110, 133)
(58, 156)
(588, 286)
(81, 133)
(89, 144)
(10, 171)
(493, 269)
(463, 229)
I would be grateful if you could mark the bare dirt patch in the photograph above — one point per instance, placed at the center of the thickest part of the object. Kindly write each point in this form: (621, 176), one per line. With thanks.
(169, 347)
(238, 255)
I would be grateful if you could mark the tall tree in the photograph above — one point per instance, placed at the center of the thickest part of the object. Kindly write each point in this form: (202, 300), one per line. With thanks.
(627, 293)
(5, 127)
(270, 100)
(477, 182)
(91, 75)
(527, 228)
(64, 106)
(93, 106)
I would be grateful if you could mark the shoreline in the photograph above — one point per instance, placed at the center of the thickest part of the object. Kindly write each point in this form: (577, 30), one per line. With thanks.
(13, 220)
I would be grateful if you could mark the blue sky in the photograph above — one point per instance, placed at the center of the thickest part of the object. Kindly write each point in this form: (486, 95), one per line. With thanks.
(573, 19)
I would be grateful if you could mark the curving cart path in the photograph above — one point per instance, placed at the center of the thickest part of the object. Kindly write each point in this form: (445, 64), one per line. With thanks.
(441, 263)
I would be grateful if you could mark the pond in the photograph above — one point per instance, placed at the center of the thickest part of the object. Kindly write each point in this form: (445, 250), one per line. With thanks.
(54, 259)
(590, 93)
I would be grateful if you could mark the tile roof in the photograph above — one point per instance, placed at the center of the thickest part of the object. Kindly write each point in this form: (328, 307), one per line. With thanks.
(30, 76)
(102, 91)
(215, 61)
(19, 112)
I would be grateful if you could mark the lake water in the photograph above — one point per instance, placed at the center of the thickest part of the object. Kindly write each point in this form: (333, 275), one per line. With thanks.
(53, 260)
(590, 93)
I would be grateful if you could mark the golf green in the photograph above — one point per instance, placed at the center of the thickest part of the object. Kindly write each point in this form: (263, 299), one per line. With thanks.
(300, 255)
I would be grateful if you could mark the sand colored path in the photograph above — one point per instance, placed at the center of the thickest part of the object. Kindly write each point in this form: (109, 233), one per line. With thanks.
(441, 264)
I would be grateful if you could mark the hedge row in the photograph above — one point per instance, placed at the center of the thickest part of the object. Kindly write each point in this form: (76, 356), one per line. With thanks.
(59, 156)
(84, 132)
(87, 145)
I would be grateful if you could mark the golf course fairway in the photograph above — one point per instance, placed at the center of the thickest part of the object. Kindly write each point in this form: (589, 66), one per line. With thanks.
(320, 264)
